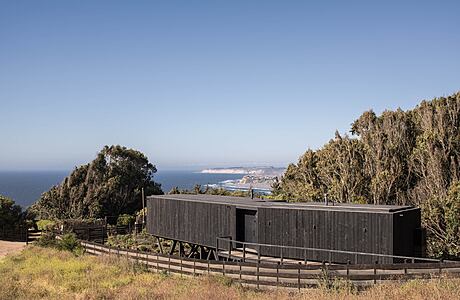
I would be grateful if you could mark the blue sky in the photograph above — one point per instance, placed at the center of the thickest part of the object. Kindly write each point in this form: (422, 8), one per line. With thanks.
(210, 83)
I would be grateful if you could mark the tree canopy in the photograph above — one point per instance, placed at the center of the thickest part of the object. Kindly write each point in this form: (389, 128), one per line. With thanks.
(108, 186)
(399, 157)
(10, 213)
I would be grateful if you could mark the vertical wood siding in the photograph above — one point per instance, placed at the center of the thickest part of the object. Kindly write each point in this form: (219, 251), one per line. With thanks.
(350, 230)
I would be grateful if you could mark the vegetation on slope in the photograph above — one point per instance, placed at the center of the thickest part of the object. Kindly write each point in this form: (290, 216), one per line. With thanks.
(197, 190)
(400, 157)
(108, 186)
(43, 273)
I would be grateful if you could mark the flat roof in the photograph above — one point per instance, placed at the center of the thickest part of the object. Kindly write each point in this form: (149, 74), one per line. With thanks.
(245, 202)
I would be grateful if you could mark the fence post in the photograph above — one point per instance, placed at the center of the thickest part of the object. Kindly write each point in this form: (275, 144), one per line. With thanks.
(194, 267)
(375, 271)
(277, 273)
(223, 267)
(217, 248)
(298, 276)
(305, 255)
(281, 255)
(239, 263)
(158, 263)
(330, 258)
(208, 266)
(348, 269)
(147, 259)
(169, 263)
(440, 267)
(405, 267)
(244, 252)
(118, 252)
(258, 266)
(356, 258)
(229, 248)
(180, 263)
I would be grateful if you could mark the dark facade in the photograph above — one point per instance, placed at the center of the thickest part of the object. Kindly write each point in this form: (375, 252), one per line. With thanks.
(200, 219)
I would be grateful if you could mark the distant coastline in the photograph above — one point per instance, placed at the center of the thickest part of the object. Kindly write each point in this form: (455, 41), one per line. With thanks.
(261, 171)
(260, 179)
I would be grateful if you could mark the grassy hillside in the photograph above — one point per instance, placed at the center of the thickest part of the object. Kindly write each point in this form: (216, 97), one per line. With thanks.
(46, 273)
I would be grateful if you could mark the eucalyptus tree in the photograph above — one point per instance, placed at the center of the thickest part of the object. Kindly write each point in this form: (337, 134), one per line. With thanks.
(398, 157)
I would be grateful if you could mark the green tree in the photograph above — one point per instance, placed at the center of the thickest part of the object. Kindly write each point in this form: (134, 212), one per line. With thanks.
(301, 181)
(398, 157)
(341, 171)
(108, 186)
(10, 213)
(387, 141)
(442, 219)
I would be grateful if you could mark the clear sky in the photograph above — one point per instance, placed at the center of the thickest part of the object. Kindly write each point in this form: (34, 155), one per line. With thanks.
(211, 83)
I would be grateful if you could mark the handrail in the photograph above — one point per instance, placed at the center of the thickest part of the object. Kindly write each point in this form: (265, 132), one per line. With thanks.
(412, 259)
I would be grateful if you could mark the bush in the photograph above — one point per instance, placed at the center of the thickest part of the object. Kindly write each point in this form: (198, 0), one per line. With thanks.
(125, 219)
(141, 241)
(69, 242)
(47, 239)
(45, 224)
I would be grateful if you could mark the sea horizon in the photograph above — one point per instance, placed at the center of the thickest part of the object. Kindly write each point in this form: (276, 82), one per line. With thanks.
(26, 186)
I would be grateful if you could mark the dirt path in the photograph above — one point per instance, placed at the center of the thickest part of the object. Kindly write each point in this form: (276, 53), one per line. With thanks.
(10, 247)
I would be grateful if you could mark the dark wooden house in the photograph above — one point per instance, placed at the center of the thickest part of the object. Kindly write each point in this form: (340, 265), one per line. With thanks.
(200, 219)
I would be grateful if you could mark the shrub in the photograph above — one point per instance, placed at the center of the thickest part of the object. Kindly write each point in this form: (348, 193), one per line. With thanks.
(141, 241)
(69, 242)
(45, 224)
(47, 239)
(125, 219)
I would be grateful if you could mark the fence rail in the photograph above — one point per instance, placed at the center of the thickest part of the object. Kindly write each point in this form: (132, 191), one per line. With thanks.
(283, 275)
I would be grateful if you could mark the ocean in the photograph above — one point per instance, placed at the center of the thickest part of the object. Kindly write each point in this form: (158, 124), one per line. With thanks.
(25, 187)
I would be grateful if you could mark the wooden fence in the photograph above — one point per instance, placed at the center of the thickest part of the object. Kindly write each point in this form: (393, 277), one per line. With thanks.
(100, 233)
(298, 276)
(21, 234)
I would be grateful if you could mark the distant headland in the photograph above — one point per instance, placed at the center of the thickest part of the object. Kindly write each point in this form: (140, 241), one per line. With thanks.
(261, 171)
(259, 178)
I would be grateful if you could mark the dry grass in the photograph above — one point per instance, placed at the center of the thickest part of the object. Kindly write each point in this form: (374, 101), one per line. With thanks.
(46, 273)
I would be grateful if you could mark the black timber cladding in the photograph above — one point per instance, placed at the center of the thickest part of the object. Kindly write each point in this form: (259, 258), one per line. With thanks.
(199, 219)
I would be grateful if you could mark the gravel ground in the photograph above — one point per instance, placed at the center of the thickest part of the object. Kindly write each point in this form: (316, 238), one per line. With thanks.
(10, 247)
